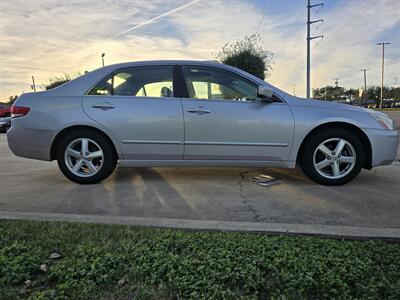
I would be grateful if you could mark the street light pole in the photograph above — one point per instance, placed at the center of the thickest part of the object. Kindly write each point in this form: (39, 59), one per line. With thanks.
(102, 58)
(365, 84)
(33, 84)
(383, 68)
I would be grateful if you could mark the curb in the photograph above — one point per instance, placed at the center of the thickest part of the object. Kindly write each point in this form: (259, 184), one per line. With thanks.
(332, 231)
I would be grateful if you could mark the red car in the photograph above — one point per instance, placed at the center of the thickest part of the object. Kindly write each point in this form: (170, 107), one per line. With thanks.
(5, 111)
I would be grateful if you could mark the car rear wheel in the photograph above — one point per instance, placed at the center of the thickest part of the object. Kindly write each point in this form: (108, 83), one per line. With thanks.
(332, 157)
(86, 157)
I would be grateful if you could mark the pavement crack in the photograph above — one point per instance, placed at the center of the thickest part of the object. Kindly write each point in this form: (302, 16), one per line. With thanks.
(245, 201)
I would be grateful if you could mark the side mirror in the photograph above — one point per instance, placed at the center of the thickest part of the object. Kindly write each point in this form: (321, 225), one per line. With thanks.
(265, 93)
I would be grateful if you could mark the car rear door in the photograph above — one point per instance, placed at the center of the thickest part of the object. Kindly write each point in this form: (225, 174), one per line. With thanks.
(225, 121)
(138, 106)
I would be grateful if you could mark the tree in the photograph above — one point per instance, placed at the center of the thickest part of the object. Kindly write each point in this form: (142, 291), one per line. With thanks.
(330, 93)
(12, 99)
(56, 81)
(248, 55)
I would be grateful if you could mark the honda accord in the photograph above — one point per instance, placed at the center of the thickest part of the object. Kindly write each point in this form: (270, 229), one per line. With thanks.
(194, 113)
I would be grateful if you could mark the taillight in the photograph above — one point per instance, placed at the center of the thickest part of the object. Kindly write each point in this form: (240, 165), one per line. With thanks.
(19, 111)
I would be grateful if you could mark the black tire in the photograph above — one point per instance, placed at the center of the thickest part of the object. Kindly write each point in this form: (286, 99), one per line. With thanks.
(109, 160)
(311, 144)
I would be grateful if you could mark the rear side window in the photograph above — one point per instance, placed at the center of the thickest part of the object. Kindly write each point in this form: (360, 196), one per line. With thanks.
(104, 87)
(146, 81)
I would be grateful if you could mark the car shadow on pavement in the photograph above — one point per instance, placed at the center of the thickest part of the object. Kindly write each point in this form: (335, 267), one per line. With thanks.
(149, 189)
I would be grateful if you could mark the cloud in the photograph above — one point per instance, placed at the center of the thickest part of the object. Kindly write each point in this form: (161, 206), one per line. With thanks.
(153, 19)
(50, 38)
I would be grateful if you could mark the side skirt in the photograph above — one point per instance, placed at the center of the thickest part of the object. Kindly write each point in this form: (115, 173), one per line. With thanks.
(206, 163)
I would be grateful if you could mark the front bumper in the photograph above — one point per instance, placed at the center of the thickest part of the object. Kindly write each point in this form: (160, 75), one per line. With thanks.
(384, 145)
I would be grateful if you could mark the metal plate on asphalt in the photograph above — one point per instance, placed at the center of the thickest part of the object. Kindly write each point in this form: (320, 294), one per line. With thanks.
(265, 180)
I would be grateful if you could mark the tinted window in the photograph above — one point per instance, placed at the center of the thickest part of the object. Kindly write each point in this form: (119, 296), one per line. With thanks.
(104, 87)
(151, 81)
(215, 83)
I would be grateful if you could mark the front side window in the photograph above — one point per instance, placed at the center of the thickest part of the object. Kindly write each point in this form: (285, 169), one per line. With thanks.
(151, 81)
(217, 84)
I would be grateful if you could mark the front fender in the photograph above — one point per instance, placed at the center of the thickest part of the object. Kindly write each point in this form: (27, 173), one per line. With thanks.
(309, 118)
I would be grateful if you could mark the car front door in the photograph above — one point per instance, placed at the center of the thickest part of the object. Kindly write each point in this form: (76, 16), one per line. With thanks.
(138, 106)
(224, 120)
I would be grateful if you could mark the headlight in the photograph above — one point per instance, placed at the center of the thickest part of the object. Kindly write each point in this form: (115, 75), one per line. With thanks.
(384, 121)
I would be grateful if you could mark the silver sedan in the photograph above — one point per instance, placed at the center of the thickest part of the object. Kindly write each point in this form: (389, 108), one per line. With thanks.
(193, 113)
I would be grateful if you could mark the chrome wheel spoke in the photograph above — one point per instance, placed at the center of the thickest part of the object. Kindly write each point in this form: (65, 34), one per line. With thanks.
(85, 146)
(77, 166)
(324, 150)
(322, 164)
(335, 170)
(91, 167)
(73, 153)
(95, 154)
(347, 159)
(339, 147)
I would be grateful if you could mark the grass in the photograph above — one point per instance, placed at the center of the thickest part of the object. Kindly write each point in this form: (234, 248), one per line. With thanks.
(172, 264)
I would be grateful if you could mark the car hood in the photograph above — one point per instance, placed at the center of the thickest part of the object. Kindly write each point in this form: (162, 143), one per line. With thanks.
(296, 101)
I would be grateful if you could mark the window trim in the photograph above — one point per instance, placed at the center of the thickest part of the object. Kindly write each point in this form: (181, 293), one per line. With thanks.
(112, 74)
(186, 92)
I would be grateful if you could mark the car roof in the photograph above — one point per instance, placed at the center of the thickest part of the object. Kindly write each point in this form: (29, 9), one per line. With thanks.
(164, 62)
(80, 85)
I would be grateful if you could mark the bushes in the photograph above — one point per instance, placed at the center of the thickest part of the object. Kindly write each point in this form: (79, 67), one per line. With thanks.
(156, 263)
(247, 55)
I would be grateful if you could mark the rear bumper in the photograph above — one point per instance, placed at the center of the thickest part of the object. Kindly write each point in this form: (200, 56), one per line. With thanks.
(384, 146)
(29, 143)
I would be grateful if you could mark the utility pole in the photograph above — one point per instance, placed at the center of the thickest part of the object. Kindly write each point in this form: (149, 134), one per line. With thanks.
(365, 84)
(309, 38)
(336, 92)
(336, 80)
(102, 58)
(33, 84)
(383, 66)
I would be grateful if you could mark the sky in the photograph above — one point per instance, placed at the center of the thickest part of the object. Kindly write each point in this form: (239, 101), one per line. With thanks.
(49, 38)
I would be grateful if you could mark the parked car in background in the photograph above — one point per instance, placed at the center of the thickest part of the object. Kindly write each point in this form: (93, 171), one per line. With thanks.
(5, 111)
(367, 103)
(5, 124)
(193, 113)
(390, 103)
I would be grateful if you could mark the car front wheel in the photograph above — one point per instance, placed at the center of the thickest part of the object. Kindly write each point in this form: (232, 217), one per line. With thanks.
(86, 157)
(332, 157)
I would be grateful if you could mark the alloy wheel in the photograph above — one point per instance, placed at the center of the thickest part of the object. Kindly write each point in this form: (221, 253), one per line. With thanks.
(83, 157)
(334, 158)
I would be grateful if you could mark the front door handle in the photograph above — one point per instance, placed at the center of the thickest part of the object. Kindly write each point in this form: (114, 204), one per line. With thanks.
(104, 106)
(199, 110)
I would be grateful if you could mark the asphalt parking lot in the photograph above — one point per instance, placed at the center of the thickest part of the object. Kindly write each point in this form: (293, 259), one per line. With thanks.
(215, 194)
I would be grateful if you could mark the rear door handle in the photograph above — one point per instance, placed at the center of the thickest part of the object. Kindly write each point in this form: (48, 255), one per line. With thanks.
(104, 106)
(198, 110)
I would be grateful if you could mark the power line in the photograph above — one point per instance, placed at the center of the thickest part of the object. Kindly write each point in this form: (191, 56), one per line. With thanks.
(353, 19)
(262, 17)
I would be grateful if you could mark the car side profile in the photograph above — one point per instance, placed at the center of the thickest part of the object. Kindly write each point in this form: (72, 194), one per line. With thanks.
(194, 113)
